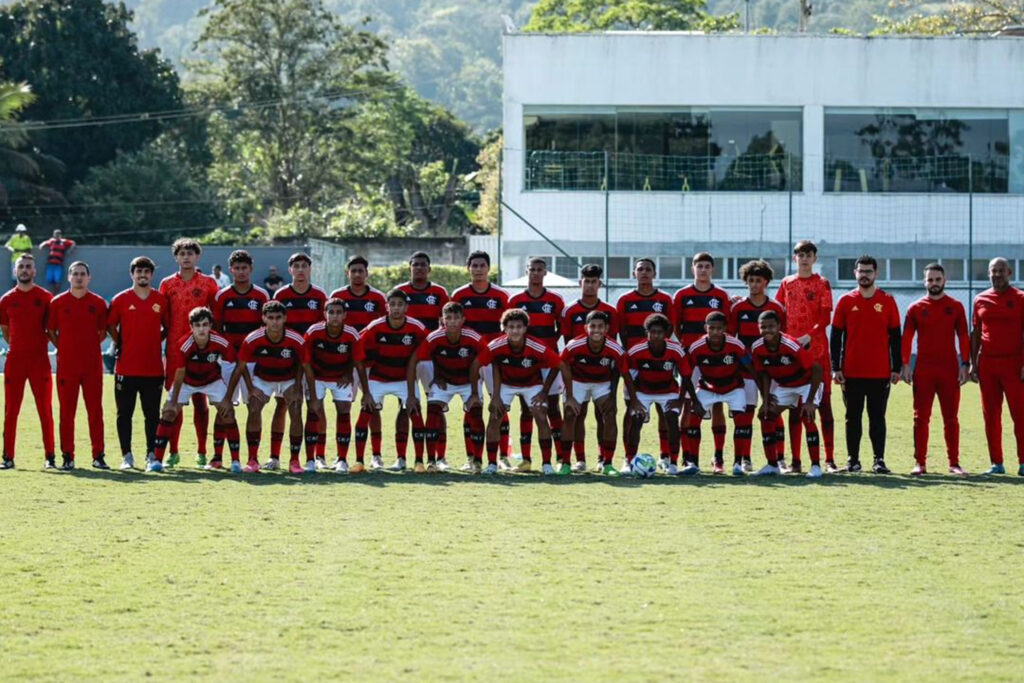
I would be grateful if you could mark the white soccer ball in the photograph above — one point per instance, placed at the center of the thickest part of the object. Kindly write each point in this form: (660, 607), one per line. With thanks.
(644, 465)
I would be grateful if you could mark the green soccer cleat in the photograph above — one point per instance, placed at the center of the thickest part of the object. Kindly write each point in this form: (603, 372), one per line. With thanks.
(201, 460)
(172, 460)
(996, 469)
(565, 469)
(609, 470)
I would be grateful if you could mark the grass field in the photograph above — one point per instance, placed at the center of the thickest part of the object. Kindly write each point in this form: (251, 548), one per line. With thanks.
(209, 575)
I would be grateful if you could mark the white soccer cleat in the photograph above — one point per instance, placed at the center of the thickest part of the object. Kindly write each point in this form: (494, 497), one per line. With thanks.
(492, 468)
(128, 462)
(311, 466)
(273, 464)
(664, 464)
(442, 465)
(737, 469)
(321, 464)
(672, 469)
(768, 471)
(546, 469)
(814, 473)
(580, 467)
(341, 467)
(399, 466)
(376, 463)
(626, 470)
(504, 463)
(468, 467)
(690, 469)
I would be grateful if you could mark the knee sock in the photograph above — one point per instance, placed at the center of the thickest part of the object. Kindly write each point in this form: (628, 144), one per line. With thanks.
(252, 442)
(175, 433)
(581, 450)
(234, 439)
(555, 420)
(276, 440)
(343, 429)
(663, 437)
(768, 440)
(718, 433)
(218, 441)
(813, 449)
(163, 433)
(742, 433)
(362, 422)
(419, 436)
(294, 446)
(376, 442)
(526, 435)
(503, 433)
(477, 434)
(796, 434)
(433, 431)
(691, 444)
(441, 450)
(310, 434)
(545, 450)
(201, 420)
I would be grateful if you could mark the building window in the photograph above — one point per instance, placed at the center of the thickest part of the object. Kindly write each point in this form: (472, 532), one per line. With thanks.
(567, 267)
(900, 269)
(670, 268)
(954, 269)
(619, 268)
(845, 268)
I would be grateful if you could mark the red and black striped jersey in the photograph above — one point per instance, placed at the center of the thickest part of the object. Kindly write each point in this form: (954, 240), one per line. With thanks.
(305, 309)
(361, 309)
(239, 313)
(203, 365)
(743, 316)
(789, 365)
(574, 319)
(545, 313)
(388, 348)
(273, 361)
(452, 360)
(483, 309)
(633, 309)
(332, 358)
(522, 368)
(587, 365)
(718, 371)
(425, 304)
(692, 306)
(655, 373)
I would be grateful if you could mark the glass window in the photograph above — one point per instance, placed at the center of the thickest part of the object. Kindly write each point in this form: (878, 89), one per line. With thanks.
(619, 268)
(845, 269)
(901, 269)
(979, 269)
(954, 269)
(566, 267)
(670, 268)
(566, 151)
(751, 149)
(778, 267)
(599, 260)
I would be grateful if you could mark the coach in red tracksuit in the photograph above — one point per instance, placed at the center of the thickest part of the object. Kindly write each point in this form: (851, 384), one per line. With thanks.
(938, 320)
(996, 359)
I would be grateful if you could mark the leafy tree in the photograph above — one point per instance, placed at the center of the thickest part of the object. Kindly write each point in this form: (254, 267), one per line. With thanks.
(25, 174)
(609, 15)
(489, 182)
(975, 16)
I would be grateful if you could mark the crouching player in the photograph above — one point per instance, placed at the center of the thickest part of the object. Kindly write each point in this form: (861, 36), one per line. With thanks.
(334, 357)
(653, 366)
(457, 353)
(788, 378)
(202, 358)
(591, 368)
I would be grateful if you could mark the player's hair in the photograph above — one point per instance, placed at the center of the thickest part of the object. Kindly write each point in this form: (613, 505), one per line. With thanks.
(185, 244)
(478, 254)
(599, 315)
(657, 320)
(397, 293)
(334, 301)
(591, 270)
(935, 266)
(768, 315)
(80, 263)
(537, 259)
(757, 268)
(299, 256)
(715, 317)
(805, 246)
(199, 313)
(866, 260)
(645, 259)
(141, 263)
(239, 256)
(420, 254)
(357, 261)
(703, 257)
(515, 314)
(274, 306)
(453, 307)
(26, 257)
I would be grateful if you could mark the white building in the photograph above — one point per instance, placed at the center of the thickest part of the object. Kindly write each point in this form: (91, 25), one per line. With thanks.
(909, 149)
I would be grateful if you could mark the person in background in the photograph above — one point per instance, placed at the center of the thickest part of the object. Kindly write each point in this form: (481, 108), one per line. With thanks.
(19, 243)
(221, 277)
(273, 281)
(56, 250)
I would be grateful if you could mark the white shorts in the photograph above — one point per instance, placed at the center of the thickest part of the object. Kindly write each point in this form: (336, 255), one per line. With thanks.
(750, 391)
(662, 400)
(735, 399)
(590, 391)
(214, 391)
(273, 389)
(241, 391)
(790, 397)
(345, 393)
(436, 394)
(400, 390)
(508, 393)
(558, 386)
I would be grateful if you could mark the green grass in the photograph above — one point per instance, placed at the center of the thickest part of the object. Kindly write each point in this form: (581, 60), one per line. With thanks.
(268, 576)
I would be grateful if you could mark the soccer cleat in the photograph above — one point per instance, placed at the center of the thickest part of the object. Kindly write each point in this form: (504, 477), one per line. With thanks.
(717, 468)
(50, 463)
(468, 467)
(295, 467)
(580, 467)
(957, 470)
(663, 464)
(236, 467)
(310, 467)
(504, 464)
(626, 470)
(524, 467)
(852, 466)
(128, 462)
(689, 469)
(918, 470)
(547, 469)
(150, 457)
(442, 465)
(815, 472)
(399, 466)
(768, 470)
(609, 470)
(476, 467)
(747, 465)
(783, 467)
(7, 464)
(321, 464)
(492, 468)
(672, 469)
(879, 467)
(357, 468)
(201, 461)
(155, 466)
(831, 467)
(214, 464)
(796, 467)
(341, 467)
(100, 462)
(419, 468)
(172, 460)
(272, 464)
(252, 466)
(432, 467)
(67, 463)
(376, 463)
(737, 470)
(996, 469)
(565, 469)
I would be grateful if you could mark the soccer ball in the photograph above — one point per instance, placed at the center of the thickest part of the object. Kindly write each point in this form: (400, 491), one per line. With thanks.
(644, 465)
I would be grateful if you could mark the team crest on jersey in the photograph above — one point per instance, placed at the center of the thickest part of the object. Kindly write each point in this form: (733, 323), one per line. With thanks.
(714, 303)
(658, 307)
(878, 308)
(547, 308)
(211, 358)
(369, 306)
(156, 308)
(810, 296)
(431, 299)
(463, 352)
(342, 348)
(606, 362)
(313, 305)
(407, 340)
(527, 363)
(666, 366)
(785, 360)
(728, 360)
(253, 305)
(492, 303)
(286, 353)
(196, 293)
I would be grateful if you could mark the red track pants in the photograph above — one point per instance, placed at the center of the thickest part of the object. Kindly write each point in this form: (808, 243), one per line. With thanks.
(998, 377)
(929, 383)
(34, 368)
(91, 384)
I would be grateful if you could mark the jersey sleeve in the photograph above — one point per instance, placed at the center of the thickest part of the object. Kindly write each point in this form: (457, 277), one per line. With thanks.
(305, 353)
(894, 314)
(245, 353)
(963, 338)
(3, 313)
(566, 355)
(229, 355)
(839, 321)
(758, 361)
(781, 293)
(909, 330)
(52, 317)
(803, 356)
(483, 355)
(423, 351)
(113, 314)
(551, 359)
(975, 314)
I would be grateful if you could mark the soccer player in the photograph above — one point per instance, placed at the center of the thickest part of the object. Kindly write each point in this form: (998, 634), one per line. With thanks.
(185, 290)
(716, 359)
(334, 353)
(743, 324)
(545, 310)
(938, 320)
(866, 359)
(996, 360)
(69, 321)
(23, 323)
(632, 310)
(789, 379)
(57, 249)
(807, 297)
(483, 304)
(457, 353)
(203, 359)
(573, 325)
(271, 365)
(137, 321)
(389, 343)
(591, 368)
(363, 305)
(518, 361)
(692, 305)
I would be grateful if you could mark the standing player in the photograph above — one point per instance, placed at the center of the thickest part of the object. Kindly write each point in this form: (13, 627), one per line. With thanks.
(938, 320)
(137, 321)
(996, 360)
(573, 325)
(185, 290)
(866, 359)
(545, 311)
(363, 305)
(334, 353)
(743, 324)
(632, 310)
(57, 250)
(807, 297)
(204, 358)
(483, 304)
(23, 323)
(457, 353)
(71, 317)
(692, 305)
(390, 343)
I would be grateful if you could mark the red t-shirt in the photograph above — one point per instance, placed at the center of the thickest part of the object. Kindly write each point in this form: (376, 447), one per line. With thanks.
(273, 361)
(545, 313)
(574, 319)
(74, 319)
(633, 309)
(183, 296)
(453, 360)
(388, 349)
(239, 314)
(141, 323)
(305, 309)
(24, 315)
(483, 309)
(656, 373)
(202, 365)
(937, 324)
(594, 367)
(425, 304)
(808, 303)
(57, 250)
(332, 358)
(361, 309)
(789, 365)
(522, 368)
(866, 323)
(1001, 316)
(691, 307)
(718, 371)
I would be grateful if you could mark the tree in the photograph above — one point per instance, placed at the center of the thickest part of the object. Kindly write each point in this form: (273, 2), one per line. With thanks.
(638, 15)
(975, 16)
(25, 174)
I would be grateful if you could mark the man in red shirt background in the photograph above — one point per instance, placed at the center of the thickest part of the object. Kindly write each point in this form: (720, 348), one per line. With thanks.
(23, 323)
(71, 317)
(56, 249)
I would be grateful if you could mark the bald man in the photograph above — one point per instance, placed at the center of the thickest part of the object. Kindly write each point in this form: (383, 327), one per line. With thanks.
(996, 360)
